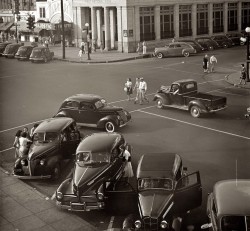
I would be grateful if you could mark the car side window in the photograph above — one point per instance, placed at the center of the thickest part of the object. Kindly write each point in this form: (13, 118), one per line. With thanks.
(177, 45)
(87, 106)
(171, 46)
(71, 104)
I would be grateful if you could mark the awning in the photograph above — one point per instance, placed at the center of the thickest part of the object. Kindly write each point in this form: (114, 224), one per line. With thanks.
(5, 26)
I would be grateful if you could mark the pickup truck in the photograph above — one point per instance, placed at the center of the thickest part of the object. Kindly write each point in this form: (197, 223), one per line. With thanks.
(183, 94)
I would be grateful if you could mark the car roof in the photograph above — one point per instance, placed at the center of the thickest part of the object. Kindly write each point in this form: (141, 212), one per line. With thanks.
(84, 97)
(25, 46)
(183, 81)
(203, 37)
(99, 142)
(13, 44)
(159, 165)
(40, 48)
(54, 124)
(232, 197)
(179, 42)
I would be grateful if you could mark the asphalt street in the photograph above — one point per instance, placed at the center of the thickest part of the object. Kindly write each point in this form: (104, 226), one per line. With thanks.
(217, 145)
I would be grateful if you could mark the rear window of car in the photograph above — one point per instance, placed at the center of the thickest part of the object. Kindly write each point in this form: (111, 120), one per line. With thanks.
(189, 86)
(23, 48)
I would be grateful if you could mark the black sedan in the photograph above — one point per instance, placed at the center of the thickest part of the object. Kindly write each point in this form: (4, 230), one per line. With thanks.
(42, 54)
(98, 159)
(2, 47)
(93, 111)
(24, 52)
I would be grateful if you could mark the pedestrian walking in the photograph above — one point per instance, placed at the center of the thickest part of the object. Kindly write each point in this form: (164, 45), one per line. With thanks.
(144, 47)
(129, 88)
(205, 63)
(128, 170)
(80, 53)
(213, 62)
(46, 43)
(16, 143)
(143, 89)
(136, 90)
(243, 74)
(138, 50)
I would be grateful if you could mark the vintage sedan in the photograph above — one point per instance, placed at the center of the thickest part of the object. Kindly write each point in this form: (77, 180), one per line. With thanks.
(11, 50)
(24, 52)
(54, 141)
(93, 111)
(41, 54)
(228, 206)
(207, 43)
(174, 49)
(223, 41)
(98, 159)
(165, 191)
(2, 47)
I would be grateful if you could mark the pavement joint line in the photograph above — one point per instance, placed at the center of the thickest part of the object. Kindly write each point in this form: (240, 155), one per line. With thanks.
(195, 125)
(111, 222)
(5, 150)
(217, 80)
(220, 91)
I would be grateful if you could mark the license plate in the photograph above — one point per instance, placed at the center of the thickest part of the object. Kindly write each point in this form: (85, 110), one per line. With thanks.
(78, 206)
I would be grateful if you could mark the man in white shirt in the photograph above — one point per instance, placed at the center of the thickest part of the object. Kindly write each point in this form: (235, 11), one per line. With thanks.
(213, 61)
(143, 88)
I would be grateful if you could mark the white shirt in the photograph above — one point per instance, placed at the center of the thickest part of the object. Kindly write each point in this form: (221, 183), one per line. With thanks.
(143, 86)
(128, 84)
(213, 59)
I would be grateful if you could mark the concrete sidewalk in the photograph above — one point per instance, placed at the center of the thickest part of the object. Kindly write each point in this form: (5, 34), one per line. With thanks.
(234, 80)
(23, 208)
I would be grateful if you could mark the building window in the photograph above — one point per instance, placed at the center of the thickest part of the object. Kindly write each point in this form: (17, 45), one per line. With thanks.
(245, 15)
(185, 20)
(202, 19)
(42, 12)
(218, 18)
(147, 24)
(167, 22)
(232, 17)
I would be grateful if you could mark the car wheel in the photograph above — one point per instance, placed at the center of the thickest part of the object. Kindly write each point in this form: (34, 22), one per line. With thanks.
(159, 55)
(210, 48)
(159, 103)
(110, 126)
(186, 53)
(225, 45)
(195, 111)
(56, 172)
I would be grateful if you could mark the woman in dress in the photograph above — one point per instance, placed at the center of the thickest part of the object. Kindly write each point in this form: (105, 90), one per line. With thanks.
(129, 88)
(16, 144)
(128, 170)
(24, 144)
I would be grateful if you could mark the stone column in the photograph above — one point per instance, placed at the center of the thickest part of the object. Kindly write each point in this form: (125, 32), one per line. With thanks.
(93, 23)
(112, 27)
(78, 25)
(225, 17)
(210, 19)
(98, 26)
(137, 24)
(239, 16)
(107, 28)
(119, 28)
(194, 20)
(157, 22)
(176, 21)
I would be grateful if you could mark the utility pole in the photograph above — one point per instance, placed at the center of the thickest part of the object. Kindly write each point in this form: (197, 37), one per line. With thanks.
(63, 35)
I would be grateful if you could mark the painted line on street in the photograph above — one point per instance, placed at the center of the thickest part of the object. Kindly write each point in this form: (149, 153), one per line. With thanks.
(196, 125)
(5, 150)
(111, 222)
(220, 91)
(217, 80)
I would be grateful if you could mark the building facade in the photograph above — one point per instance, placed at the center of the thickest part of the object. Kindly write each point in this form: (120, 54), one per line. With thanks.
(122, 24)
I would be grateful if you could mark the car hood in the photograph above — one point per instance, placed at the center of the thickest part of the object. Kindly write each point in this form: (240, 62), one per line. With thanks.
(83, 175)
(153, 204)
(110, 108)
(40, 150)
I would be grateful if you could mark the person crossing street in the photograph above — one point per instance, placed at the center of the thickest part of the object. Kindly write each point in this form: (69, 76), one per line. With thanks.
(143, 89)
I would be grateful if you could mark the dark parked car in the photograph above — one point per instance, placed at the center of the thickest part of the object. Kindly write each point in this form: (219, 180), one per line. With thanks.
(24, 52)
(174, 49)
(2, 47)
(164, 191)
(93, 111)
(54, 140)
(41, 54)
(228, 206)
(11, 49)
(223, 41)
(194, 44)
(98, 159)
(235, 37)
(207, 43)
(183, 94)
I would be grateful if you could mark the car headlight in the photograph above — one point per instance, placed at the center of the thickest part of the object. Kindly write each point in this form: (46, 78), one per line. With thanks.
(59, 196)
(138, 224)
(42, 162)
(248, 110)
(100, 196)
(164, 224)
(22, 162)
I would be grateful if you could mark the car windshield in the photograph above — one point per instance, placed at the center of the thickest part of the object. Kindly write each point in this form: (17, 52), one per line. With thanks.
(236, 223)
(37, 52)
(23, 48)
(157, 183)
(92, 159)
(100, 103)
(45, 137)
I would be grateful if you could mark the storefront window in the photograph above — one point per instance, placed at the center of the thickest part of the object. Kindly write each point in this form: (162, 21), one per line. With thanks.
(232, 17)
(42, 12)
(202, 19)
(245, 15)
(167, 21)
(218, 18)
(185, 20)
(147, 24)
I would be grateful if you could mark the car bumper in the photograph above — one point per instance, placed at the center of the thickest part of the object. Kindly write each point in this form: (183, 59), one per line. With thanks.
(36, 59)
(218, 109)
(32, 177)
(9, 55)
(21, 57)
(80, 206)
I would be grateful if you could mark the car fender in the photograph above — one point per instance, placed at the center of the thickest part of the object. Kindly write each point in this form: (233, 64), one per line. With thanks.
(64, 185)
(159, 96)
(197, 103)
(102, 121)
(52, 161)
(61, 114)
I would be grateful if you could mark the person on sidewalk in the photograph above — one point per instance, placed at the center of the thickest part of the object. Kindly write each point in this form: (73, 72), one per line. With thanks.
(16, 143)
(205, 63)
(129, 88)
(143, 89)
(213, 62)
(243, 74)
(138, 50)
(136, 90)
(24, 144)
(128, 170)
(144, 47)
(80, 53)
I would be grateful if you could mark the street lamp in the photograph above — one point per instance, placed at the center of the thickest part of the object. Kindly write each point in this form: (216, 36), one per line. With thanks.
(246, 40)
(88, 38)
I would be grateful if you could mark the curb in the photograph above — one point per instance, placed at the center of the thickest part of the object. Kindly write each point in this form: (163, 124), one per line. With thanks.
(234, 84)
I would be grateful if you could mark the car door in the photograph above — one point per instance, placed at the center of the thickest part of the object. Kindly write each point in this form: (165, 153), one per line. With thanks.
(188, 193)
(87, 114)
(71, 108)
(176, 99)
(120, 198)
(171, 50)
